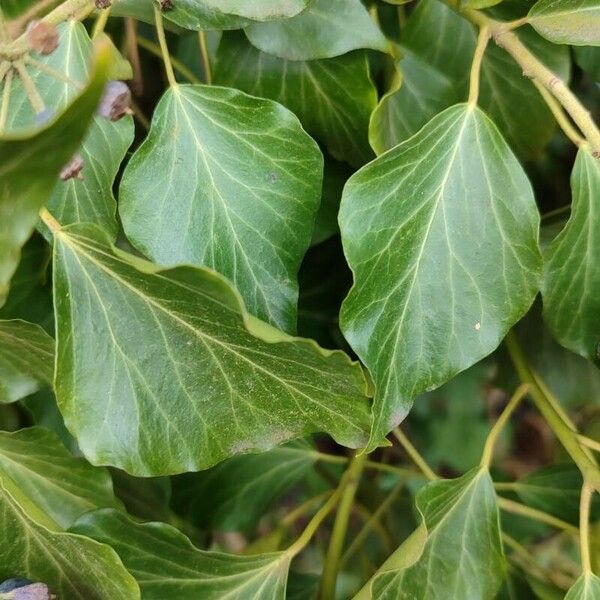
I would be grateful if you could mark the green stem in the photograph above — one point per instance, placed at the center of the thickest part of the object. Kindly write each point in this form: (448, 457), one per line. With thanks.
(6, 98)
(414, 454)
(517, 508)
(52, 224)
(205, 57)
(30, 88)
(505, 486)
(162, 40)
(482, 42)
(101, 22)
(584, 527)
(177, 65)
(589, 443)
(44, 68)
(488, 450)
(566, 435)
(348, 488)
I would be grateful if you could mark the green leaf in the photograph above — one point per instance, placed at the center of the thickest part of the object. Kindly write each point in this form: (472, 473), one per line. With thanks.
(43, 151)
(571, 289)
(179, 376)
(192, 197)
(326, 29)
(62, 486)
(213, 499)
(70, 565)
(455, 554)
(334, 113)
(478, 3)
(588, 58)
(575, 22)
(587, 587)
(167, 566)
(147, 498)
(26, 359)
(441, 234)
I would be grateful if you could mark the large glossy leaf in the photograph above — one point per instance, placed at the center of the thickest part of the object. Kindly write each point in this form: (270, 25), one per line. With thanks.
(587, 587)
(64, 487)
(26, 359)
(237, 189)
(575, 22)
(455, 554)
(77, 200)
(235, 494)
(72, 566)
(571, 289)
(44, 152)
(168, 567)
(335, 114)
(327, 28)
(161, 371)
(441, 234)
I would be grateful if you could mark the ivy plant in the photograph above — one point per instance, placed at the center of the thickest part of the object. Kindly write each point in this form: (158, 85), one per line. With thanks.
(299, 299)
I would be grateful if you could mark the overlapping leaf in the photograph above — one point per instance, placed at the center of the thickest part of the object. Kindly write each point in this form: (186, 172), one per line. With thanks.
(587, 587)
(62, 486)
(455, 554)
(575, 22)
(161, 371)
(235, 494)
(236, 188)
(44, 152)
(326, 29)
(26, 359)
(168, 567)
(332, 112)
(441, 234)
(571, 290)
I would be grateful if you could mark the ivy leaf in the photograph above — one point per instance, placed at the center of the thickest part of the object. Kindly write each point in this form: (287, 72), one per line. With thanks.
(455, 553)
(587, 587)
(210, 498)
(588, 59)
(326, 29)
(571, 289)
(332, 112)
(70, 565)
(192, 197)
(26, 359)
(167, 566)
(179, 376)
(46, 150)
(147, 498)
(63, 486)
(575, 22)
(441, 234)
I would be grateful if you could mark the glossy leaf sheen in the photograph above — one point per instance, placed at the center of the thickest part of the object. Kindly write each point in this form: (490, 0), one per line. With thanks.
(26, 359)
(161, 371)
(231, 182)
(47, 150)
(441, 234)
(316, 91)
(63, 486)
(326, 29)
(456, 554)
(168, 567)
(575, 22)
(571, 289)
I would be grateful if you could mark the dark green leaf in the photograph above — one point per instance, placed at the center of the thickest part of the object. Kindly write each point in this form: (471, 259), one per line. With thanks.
(147, 498)
(179, 376)
(571, 289)
(575, 22)
(588, 58)
(167, 566)
(441, 234)
(332, 112)
(26, 359)
(326, 29)
(193, 197)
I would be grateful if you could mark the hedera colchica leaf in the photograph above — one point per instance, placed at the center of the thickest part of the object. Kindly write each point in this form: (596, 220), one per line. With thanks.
(327, 28)
(43, 151)
(587, 587)
(26, 359)
(63, 486)
(455, 554)
(179, 376)
(442, 236)
(571, 289)
(575, 22)
(236, 188)
(315, 90)
(168, 567)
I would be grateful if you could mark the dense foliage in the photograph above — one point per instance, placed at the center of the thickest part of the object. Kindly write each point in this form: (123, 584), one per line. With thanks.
(308, 308)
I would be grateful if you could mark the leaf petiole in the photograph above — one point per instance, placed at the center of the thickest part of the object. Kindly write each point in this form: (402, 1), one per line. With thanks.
(160, 31)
